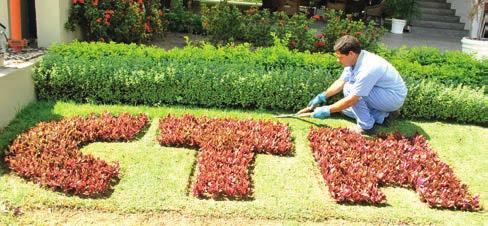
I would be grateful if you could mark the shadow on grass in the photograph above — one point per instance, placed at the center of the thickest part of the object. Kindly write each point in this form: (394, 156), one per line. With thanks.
(405, 127)
(312, 123)
(379, 205)
(141, 133)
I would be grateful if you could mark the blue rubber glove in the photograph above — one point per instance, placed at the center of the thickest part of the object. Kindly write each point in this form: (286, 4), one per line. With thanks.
(317, 100)
(321, 112)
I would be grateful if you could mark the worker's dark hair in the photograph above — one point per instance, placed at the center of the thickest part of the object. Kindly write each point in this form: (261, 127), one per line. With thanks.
(347, 43)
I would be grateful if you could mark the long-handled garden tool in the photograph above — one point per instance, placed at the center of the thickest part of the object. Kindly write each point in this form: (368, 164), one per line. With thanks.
(306, 112)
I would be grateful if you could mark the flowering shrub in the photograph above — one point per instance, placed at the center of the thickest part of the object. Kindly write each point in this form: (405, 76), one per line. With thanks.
(257, 27)
(225, 23)
(227, 148)
(296, 30)
(354, 168)
(222, 22)
(337, 25)
(117, 20)
(49, 154)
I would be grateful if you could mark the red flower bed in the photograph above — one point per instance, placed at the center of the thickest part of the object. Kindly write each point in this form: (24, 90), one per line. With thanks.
(354, 168)
(227, 148)
(49, 154)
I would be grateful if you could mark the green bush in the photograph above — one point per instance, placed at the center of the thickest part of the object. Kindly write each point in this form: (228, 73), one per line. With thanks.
(261, 28)
(183, 20)
(338, 25)
(449, 68)
(256, 27)
(224, 23)
(298, 28)
(229, 76)
(431, 100)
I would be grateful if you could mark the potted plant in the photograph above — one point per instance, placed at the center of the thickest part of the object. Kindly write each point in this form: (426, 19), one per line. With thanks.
(402, 11)
(476, 43)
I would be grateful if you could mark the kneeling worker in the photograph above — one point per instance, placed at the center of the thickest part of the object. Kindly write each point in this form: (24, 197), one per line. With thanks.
(373, 89)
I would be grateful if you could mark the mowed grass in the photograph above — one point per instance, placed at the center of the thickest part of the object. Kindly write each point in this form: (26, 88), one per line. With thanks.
(156, 179)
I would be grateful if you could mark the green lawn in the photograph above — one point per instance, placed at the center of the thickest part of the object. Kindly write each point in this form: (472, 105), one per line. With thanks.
(155, 179)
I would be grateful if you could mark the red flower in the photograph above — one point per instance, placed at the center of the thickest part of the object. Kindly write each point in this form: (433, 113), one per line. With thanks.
(108, 14)
(94, 2)
(78, 1)
(293, 44)
(99, 20)
(319, 44)
(147, 27)
(319, 36)
(316, 17)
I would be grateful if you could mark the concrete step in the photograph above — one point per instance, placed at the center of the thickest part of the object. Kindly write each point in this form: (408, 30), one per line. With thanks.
(441, 33)
(433, 17)
(437, 5)
(438, 24)
(440, 12)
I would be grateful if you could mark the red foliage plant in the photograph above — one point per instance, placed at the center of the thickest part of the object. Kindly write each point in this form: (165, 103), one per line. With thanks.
(354, 168)
(49, 154)
(226, 147)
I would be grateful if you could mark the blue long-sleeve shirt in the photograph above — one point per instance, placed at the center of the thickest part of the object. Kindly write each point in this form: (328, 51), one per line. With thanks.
(372, 71)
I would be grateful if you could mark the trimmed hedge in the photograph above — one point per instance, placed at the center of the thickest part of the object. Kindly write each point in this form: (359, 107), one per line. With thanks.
(449, 68)
(229, 76)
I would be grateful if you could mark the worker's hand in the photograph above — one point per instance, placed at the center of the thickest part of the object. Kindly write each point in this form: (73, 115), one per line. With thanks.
(317, 100)
(321, 112)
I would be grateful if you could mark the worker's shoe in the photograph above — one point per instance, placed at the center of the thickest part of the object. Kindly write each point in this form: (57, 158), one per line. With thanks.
(391, 118)
(362, 131)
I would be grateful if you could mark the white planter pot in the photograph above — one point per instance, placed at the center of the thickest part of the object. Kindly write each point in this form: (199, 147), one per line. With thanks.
(478, 48)
(397, 26)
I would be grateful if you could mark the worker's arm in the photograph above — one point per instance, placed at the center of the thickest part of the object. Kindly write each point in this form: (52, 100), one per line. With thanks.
(335, 88)
(344, 103)
(325, 111)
